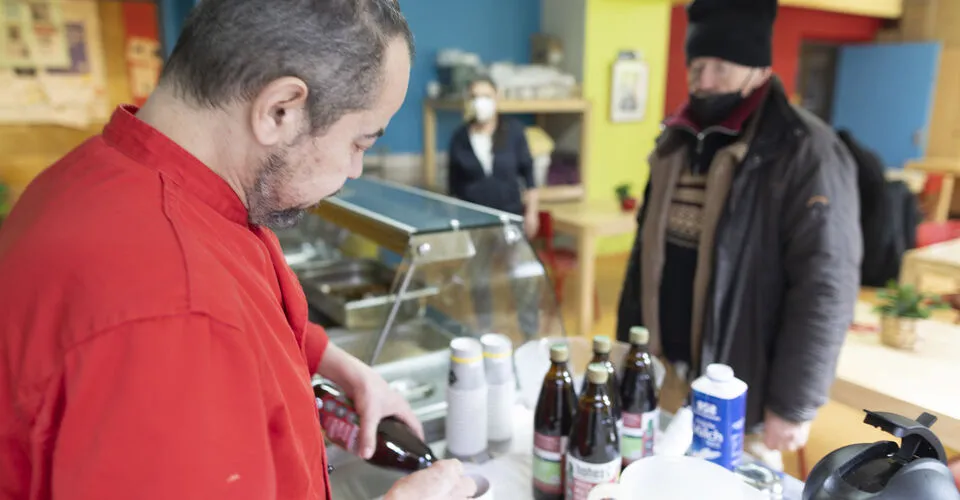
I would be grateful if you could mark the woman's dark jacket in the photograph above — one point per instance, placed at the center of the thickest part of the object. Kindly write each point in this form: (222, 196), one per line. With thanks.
(512, 168)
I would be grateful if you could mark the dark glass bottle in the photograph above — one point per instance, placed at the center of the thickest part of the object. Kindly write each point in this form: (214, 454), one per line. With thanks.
(640, 400)
(593, 456)
(552, 421)
(601, 354)
(397, 446)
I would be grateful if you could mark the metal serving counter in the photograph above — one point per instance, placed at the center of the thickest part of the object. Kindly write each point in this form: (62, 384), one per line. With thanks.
(435, 267)
(394, 273)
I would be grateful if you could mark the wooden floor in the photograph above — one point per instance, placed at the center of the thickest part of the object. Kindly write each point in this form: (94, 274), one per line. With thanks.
(836, 425)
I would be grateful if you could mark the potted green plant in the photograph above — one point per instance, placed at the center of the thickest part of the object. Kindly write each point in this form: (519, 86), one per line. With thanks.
(900, 307)
(4, 201)
(627, 201)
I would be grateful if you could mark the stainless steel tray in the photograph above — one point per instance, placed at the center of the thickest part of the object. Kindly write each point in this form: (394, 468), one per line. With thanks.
(411, 339)
(356, 293)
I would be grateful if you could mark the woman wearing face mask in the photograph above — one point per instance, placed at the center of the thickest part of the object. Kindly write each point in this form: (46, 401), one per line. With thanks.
(490, 165)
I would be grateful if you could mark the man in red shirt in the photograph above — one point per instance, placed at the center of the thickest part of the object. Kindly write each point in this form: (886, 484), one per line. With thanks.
(153, 342)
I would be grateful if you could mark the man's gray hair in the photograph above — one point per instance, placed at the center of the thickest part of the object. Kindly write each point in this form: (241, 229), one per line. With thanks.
(230, 50)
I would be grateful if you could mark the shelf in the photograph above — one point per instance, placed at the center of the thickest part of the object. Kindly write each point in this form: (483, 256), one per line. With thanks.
(532, 106)
(889, 9)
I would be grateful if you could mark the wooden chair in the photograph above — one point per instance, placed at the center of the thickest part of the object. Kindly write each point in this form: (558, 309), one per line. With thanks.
(941, 178)
(560, 262)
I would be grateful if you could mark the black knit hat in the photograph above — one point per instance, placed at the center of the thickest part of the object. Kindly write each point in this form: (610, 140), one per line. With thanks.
(739, 31)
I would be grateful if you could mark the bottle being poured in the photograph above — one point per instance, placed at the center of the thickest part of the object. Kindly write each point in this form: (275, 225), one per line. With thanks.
(397, 445)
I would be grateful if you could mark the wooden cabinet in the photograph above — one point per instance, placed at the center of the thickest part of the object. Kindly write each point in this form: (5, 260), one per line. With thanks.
(926, 20)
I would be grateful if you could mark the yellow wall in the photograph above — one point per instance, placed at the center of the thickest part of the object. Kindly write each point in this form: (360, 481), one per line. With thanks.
(618, 151)
(28, 149)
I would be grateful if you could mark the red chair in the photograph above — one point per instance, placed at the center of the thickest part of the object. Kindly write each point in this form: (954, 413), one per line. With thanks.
(560, 262)
(930, 232)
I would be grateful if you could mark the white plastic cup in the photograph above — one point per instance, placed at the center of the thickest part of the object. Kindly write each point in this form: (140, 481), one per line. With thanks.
(484, 490)
(466, 423)
(501, 389)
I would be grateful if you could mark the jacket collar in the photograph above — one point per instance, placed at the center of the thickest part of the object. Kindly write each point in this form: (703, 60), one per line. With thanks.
(147, 146)
(778, 120)
(683, 118)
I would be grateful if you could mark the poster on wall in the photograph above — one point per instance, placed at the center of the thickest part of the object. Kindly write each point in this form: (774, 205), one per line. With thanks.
(143, 63)
(33, 34)
(14, 35)
(72, 93)
(48, 37)
(142, 54)
(630, 84)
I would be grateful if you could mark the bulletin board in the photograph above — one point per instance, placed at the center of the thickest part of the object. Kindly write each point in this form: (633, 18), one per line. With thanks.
(52, 63)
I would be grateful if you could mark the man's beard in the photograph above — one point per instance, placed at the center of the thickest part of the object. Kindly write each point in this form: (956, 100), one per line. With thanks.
(264, 206)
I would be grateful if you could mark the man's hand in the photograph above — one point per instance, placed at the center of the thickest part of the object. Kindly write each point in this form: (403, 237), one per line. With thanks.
(782, 435)
(444, 480)
(531, 225)
(372, 396)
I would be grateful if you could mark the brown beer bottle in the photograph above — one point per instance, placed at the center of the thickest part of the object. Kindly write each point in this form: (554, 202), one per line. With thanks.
(593, 456)
(640, 400)
(601, 354)
(552, 421)
(397, 446)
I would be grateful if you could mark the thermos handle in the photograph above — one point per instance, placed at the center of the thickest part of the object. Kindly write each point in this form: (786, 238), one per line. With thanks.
(608, 491)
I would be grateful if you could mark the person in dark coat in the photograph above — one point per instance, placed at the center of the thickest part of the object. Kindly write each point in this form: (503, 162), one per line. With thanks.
(490, 165)
(749, 247)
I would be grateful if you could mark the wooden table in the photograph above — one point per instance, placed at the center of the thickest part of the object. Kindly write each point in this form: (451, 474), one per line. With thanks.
(876, 377)
(941, 260)
(588, 221)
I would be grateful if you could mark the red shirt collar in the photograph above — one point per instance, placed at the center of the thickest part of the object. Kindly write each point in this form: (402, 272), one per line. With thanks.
(736, 120)
(147, 146)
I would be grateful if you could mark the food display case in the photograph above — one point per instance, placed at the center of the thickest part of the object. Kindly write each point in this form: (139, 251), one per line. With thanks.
(394, 273)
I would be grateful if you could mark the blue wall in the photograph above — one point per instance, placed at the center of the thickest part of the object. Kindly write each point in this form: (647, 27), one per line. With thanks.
(172, 14)
(497, 30)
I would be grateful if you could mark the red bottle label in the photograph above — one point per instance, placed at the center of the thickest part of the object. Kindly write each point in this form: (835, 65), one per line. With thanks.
(548, 463)
(583, 476)
(638, 435)
(339, 421)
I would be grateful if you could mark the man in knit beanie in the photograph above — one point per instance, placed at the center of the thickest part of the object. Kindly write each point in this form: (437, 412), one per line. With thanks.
(748, 249)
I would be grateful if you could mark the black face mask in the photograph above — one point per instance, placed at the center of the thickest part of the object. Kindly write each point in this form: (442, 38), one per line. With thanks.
(712, 109)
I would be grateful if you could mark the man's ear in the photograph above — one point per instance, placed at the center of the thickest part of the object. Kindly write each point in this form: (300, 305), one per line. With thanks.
(278, 112)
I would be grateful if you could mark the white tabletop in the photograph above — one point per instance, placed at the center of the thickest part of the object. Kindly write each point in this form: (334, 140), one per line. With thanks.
(511, 474)
(873, 376)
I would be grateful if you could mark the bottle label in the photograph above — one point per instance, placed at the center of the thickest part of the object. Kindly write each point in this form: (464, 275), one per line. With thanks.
(718, 428)
(340, 423)
(583, 476)
(639, 435)
(548, 459)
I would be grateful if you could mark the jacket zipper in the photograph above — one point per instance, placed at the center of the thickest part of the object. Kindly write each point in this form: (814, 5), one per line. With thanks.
(701, 135)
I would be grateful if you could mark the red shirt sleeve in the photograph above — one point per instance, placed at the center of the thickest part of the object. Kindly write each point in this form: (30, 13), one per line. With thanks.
(315, 342)
(160, 409)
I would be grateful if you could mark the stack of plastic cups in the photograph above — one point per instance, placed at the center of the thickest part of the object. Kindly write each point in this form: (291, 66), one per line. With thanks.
(466, 422)
(501, 390)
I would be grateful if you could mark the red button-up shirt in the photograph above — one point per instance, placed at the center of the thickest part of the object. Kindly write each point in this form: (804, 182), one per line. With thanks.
(153, 344)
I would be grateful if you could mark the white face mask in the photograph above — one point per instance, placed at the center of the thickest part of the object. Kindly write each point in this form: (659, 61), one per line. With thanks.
(484, 108)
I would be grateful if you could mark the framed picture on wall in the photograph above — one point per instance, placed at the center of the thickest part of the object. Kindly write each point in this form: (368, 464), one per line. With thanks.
(630, 84)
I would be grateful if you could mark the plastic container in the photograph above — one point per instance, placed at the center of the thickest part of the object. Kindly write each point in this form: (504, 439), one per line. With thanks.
(719, 404)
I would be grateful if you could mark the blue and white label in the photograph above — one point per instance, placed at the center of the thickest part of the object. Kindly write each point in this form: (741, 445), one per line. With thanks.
(718, 428)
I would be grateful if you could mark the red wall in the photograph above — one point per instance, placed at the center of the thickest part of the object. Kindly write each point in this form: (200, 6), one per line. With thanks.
(793, 26)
